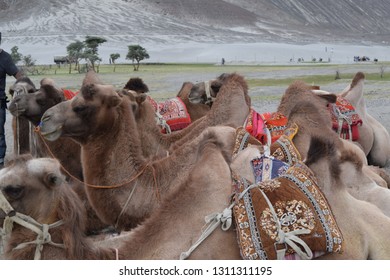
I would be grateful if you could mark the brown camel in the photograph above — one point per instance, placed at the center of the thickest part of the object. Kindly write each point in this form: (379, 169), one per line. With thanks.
(20, 126)
(184, 211)
(364, 227)
(156, 144)
(37, 193)
(122, 185)
(31, 107)
(374, 139)
(151, 240)
(196, 111)
(315, 122)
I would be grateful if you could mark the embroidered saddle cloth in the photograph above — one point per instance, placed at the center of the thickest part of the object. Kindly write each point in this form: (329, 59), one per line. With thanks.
(266, 125)
(345, 120)
(173, 111)
(284, 215)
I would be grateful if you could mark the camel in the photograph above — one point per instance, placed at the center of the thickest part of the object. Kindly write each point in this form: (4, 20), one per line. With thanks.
(363, 187)
(37, 193)
(20, 126)
(123, 186)
(151, 240)
(374, 138)
(175, 113)
(204, 92)
(224, 112)
(31, 107)
(184, 210)
(196, 111)
(337, 169)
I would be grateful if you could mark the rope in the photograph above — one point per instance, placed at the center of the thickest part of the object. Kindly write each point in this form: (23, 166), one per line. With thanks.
(42, 230)
(17, 131)
(37, 130)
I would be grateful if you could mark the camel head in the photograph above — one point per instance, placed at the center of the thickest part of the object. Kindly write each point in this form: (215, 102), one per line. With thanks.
(207, 92)
(93, 110)
(299, 91)
(33, 105)
(309, 112)
(204, 92)
(354, 94)
(32, 186)
(22, 85)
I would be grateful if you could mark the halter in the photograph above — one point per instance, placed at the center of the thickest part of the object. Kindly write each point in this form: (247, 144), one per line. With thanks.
(42, 230)
(209, 98)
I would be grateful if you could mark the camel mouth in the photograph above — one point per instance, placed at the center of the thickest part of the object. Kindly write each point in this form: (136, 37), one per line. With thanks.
(52, 135)
(16, 111)
(195, 100)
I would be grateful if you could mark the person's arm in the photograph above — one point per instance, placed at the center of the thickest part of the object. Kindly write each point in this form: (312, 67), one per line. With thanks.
(18, 75)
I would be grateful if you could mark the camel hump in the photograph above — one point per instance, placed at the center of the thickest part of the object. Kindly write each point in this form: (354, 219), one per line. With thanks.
(91, 78)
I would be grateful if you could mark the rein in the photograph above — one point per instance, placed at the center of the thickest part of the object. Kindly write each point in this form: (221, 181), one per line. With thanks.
(37, 130)
(42, 230)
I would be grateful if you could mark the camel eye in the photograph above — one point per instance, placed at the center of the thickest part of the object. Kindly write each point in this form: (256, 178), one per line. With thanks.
(14, 192)
(80, 109)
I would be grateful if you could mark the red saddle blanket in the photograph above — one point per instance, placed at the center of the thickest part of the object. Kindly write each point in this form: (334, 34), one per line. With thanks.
(173, 111)
(345, 120)
(284, 215)
(69, 94)
(258, 124)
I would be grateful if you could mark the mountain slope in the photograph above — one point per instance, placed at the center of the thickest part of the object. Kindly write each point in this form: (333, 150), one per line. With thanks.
(297, 21)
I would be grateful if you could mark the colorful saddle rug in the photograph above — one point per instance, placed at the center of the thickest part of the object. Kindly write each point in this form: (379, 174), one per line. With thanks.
(68, 94)
(173, 112)
(345, 120)
(263, 126)
(284, 215)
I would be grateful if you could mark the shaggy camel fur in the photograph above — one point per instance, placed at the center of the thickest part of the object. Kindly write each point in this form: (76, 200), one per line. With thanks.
(315, 120)
(20, 126)
(31, 107)
(205, 191)
(37, 188)
(374, 138)
(124, 188)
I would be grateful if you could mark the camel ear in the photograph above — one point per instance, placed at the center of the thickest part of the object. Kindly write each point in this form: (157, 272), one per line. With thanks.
(52, 180)
(216, 86)
(330, 98)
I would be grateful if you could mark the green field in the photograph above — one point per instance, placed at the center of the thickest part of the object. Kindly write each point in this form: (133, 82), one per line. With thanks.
(165, 80)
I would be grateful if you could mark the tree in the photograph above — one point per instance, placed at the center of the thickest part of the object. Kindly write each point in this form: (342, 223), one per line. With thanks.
(136, 53)
(15, 55)
(75, 52)
(28, 61)
(91, 49)
(113, 57)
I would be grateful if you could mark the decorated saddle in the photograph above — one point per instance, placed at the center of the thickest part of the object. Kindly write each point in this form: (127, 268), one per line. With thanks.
(172, 114)
(345, 120)
(283, 215)
(266, 125)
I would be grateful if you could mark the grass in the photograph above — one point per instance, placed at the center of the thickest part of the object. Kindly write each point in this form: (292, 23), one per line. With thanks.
(284, 74)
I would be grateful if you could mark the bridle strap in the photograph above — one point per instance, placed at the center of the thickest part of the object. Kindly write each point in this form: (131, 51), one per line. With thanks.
(42, 230)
